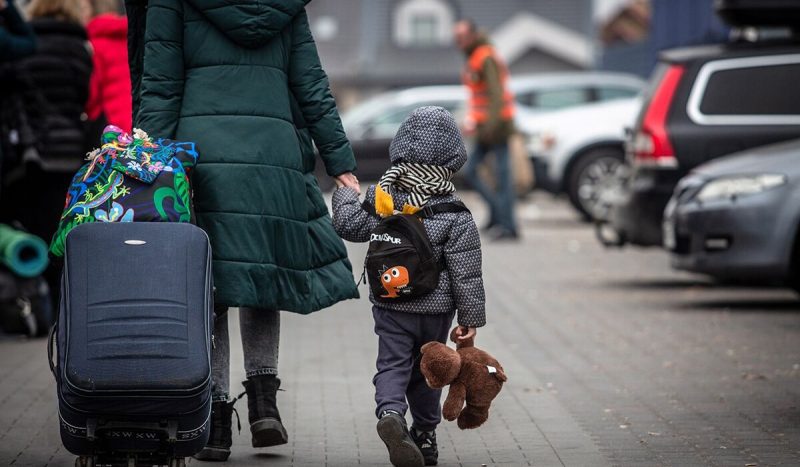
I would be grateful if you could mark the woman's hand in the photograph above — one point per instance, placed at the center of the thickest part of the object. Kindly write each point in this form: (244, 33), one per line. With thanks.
(464, 333)
(346, 179)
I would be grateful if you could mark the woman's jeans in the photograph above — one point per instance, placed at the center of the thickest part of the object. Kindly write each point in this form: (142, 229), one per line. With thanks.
(260, 331)
(501, 201)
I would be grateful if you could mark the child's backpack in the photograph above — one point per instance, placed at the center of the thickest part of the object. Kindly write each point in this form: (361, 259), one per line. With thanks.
(400, 263)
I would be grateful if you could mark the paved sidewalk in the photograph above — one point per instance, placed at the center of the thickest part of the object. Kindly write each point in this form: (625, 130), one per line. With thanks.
(612, 359)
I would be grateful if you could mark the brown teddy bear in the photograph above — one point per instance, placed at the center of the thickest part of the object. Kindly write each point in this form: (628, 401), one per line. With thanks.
(474, 376)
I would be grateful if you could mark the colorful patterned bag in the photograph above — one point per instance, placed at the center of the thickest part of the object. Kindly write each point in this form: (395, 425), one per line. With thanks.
(129, 179)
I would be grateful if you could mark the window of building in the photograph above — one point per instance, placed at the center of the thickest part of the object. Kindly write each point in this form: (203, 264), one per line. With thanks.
(423, 23)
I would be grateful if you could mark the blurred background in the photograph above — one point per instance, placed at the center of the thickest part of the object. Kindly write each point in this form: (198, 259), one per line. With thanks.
(371, 46)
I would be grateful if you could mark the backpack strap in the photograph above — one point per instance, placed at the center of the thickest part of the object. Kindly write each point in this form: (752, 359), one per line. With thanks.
(455, 206)
(427, 211)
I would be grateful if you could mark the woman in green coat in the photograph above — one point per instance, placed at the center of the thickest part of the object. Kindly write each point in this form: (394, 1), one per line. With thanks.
(243, 80)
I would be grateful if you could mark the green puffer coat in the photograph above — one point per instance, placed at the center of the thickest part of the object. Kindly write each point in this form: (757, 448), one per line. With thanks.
(227, 74)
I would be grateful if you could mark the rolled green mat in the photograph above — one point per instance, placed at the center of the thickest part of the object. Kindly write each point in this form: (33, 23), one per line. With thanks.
(24, 254)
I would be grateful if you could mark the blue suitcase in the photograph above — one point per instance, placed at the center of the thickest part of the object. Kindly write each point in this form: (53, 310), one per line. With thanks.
(133, 366)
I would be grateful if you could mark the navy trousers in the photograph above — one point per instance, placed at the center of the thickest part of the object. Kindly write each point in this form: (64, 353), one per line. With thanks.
(399, 385)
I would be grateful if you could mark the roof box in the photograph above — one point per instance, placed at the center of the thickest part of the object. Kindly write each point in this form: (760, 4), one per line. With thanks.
(738, 13)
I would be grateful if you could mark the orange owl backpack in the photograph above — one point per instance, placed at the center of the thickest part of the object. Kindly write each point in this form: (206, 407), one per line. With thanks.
(400, 263)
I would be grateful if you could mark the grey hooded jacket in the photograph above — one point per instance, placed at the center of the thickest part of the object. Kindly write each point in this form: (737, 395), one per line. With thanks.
(430, 136)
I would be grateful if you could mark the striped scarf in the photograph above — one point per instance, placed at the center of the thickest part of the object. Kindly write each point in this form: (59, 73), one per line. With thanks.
(420, 181)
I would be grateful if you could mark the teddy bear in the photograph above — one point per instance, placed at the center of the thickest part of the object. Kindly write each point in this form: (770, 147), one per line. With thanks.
(474, 376)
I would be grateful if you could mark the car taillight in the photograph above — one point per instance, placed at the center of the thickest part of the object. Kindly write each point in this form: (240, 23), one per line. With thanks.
(651, 145)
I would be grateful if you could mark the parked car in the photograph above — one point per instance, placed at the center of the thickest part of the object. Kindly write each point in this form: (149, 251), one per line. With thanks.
(738, 217)
(371, 124)
(580, 151)
(554, 91)
(704, 102)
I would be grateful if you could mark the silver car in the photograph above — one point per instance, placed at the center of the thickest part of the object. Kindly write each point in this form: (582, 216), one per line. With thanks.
(371, 124)
(737, 217)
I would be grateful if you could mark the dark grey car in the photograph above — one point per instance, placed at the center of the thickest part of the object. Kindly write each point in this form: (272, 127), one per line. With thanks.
(737, 217)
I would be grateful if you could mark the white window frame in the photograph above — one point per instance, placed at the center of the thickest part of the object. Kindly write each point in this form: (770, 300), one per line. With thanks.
(409, 9)
(700, 84)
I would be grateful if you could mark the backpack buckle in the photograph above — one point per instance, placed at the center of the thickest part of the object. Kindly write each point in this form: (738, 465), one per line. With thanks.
(426, 212)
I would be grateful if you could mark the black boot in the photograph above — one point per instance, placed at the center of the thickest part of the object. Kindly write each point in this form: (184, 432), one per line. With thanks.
(218, 448)
(265, 421)
(426, 442)
(403, 452)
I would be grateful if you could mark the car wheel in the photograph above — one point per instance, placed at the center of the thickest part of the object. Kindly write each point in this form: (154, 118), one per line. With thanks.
(594, 179)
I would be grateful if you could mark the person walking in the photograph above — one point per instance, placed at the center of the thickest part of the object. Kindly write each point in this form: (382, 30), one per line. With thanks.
(244, 81)
(425, 154)
(110, 90)
(52, 86)
(490, 118)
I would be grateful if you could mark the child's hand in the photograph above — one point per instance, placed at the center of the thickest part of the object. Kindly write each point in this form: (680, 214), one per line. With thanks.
(464, 333)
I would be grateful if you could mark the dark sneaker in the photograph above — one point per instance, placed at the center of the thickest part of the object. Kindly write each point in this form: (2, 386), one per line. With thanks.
(403, 452)
(218, 448)
(265, 421)
(426, 442)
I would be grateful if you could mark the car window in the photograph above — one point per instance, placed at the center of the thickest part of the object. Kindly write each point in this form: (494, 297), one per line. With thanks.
(758, 90)
(560, 98)
(526, 98)
(610, 93)
(387, 124)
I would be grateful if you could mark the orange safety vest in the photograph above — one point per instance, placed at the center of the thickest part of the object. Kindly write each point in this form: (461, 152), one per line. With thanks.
(479, 98)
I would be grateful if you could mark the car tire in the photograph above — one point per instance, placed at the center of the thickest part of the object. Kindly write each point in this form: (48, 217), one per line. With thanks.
(589, 178)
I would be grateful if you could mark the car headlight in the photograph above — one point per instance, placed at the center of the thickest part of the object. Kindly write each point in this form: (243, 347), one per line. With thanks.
(541, 143)
(732, 187)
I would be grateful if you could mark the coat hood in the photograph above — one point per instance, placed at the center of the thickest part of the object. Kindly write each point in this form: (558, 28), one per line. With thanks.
(109, 26)
(248, 23)
(429, 136)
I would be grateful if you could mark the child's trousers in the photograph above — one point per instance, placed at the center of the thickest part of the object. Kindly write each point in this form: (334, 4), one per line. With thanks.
(400, 337)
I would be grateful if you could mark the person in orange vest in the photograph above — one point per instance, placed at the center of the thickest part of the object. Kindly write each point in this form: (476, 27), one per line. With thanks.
(490, 118)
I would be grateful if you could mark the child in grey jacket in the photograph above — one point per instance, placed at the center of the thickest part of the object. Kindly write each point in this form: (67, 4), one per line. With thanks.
(425, 154)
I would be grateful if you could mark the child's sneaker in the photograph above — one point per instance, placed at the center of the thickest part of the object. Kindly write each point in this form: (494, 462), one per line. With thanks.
(403, 451)
(426, 442)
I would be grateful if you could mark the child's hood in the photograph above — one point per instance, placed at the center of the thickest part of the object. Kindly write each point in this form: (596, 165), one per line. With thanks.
(430, 135)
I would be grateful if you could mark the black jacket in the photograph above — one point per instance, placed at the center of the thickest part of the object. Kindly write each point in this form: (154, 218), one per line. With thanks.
(55, 84)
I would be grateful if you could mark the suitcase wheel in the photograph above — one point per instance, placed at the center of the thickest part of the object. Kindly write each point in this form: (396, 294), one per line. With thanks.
(87, 461)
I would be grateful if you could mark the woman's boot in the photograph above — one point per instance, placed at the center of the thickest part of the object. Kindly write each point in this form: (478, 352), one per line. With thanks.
(265, 421)
(218, 448)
